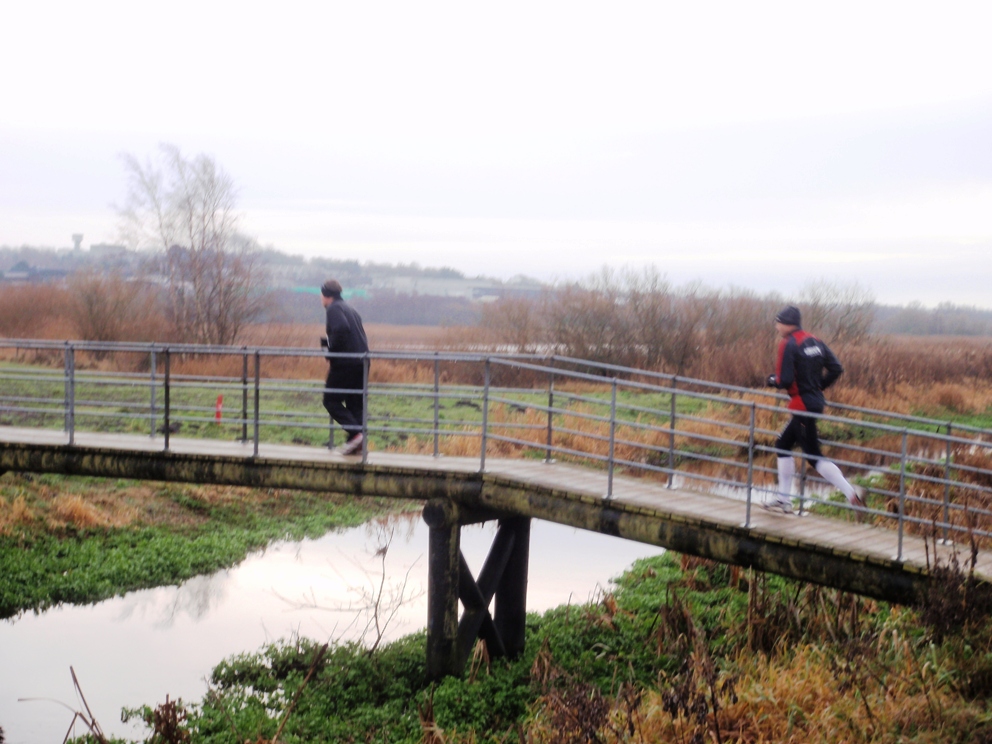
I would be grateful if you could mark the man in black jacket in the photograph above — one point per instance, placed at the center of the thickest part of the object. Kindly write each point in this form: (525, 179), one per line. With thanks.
(345, 335)
(804, 368)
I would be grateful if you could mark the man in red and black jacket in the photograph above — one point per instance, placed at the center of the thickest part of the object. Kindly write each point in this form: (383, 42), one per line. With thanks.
(804, 368)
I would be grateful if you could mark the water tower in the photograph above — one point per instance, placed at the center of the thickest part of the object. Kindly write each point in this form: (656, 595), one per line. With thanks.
(77, 241)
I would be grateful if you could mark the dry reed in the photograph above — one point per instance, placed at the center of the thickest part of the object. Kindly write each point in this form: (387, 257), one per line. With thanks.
(14, 514)
(75, 511)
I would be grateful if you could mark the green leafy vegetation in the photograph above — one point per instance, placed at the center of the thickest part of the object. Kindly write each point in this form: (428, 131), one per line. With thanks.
(84, 539)
(681, 650)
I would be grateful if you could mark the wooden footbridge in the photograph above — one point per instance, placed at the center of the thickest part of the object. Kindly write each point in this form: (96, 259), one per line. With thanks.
(660, 460)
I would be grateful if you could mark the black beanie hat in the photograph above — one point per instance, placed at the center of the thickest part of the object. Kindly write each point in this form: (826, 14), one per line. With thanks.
(331, 288)
(789, 316)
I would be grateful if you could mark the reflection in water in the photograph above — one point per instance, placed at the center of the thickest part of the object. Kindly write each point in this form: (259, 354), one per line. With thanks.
(197, 596)
(374, 603)
(193, 599)
(136, 649)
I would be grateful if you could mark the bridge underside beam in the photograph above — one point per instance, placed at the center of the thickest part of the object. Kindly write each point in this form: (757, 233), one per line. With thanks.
(887, 580)
(335, 477)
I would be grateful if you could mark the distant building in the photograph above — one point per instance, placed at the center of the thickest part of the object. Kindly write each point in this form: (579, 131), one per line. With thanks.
(23, 273)
(106, 251)
(484, 290)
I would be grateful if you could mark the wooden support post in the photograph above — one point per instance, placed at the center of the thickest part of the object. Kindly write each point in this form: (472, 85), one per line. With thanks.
(511, 591)
(504, 576)
(442, 590)
(476, 622)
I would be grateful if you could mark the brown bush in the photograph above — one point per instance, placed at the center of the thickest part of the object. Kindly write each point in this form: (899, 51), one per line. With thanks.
(13, 514)
(83, 512)
(34, 311)
(517, 323)
(73, 510)
(894, 360)
(109, 307)
(950, 396)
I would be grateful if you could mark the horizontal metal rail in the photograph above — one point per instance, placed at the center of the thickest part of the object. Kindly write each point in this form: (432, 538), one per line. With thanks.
(615, 419)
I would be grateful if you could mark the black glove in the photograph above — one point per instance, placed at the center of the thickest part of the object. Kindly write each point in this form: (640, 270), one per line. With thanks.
(772, 381)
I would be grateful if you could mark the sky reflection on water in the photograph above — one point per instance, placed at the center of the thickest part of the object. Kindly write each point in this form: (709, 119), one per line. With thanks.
(135, 649)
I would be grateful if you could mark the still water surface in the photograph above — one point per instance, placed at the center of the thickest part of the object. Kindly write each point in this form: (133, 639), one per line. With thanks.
(133, 650)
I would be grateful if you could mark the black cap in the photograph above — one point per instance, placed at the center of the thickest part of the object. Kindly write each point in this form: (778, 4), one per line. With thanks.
(789, 316)
(331, 288)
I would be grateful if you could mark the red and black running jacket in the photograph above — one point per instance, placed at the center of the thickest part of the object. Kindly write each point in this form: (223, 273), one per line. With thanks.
(804, 369)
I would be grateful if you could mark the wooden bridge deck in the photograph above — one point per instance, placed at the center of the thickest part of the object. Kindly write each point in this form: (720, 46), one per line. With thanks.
(828, 551)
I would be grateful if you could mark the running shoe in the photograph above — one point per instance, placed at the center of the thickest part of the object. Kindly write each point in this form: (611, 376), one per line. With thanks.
(783, 506)
(352, 446)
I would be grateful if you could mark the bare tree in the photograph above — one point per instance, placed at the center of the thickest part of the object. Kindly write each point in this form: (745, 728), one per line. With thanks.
(652, 308)
(695, 306)
(591, 320)
(516, 322)
(185, 209)
(841, 314)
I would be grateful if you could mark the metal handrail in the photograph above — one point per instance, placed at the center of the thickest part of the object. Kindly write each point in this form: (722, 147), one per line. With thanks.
(608, 421)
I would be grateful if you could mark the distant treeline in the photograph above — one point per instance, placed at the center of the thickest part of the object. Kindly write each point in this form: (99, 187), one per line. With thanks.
(393, 307)
(944, 320)
(281, 268)
(385, 306)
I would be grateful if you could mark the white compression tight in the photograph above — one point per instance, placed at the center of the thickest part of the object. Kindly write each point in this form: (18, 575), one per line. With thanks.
(786, 474)
(830, 472)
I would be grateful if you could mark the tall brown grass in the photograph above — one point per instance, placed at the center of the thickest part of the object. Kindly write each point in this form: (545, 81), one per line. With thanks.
(72, 509)
(831, 668)
(14, 513)
(35, 311)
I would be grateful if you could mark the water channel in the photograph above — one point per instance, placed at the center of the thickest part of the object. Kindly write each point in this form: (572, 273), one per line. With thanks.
(136, 649)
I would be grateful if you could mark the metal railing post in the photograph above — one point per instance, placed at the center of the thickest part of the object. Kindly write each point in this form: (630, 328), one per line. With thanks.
(153, 414)
(750, 467)
(437, 406)
(613, 438)
(802, 481)
(326, 389)
(671, 436)
(71, 390)
(366, 362)
(947, 484)
(551, 404)
(65, 385)
(485, 419)
(167, 393)
(244, 393)
(258, 399)
(902, 491)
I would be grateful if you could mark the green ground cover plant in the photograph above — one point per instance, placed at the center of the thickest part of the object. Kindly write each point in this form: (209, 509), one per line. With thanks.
(679, 650)
(80, 540)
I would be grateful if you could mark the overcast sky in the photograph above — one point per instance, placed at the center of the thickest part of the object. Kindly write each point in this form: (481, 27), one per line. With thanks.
(760, 145)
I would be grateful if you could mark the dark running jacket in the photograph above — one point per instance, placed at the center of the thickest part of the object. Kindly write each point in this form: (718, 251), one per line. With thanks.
(345, 333)
(804, 369)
